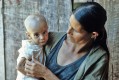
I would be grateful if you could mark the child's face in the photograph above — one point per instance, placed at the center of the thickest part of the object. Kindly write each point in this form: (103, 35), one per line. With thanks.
(40, 34)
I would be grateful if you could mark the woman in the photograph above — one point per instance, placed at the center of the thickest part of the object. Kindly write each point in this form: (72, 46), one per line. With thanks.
(81, 53)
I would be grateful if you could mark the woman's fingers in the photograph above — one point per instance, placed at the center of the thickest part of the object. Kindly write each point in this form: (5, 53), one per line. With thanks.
(31, 74)
(28, 74)
(27, 69)
(29, 62)
(28, 66)
(35, 61)
(34, 69)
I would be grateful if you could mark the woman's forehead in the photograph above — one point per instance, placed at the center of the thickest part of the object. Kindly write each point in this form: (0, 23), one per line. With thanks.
(75, 23)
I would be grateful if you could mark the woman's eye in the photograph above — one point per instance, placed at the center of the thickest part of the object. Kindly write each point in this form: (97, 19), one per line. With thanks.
(75, 30)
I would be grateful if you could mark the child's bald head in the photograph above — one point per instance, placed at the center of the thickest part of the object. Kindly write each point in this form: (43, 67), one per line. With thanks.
(34, 21)
(37, 29)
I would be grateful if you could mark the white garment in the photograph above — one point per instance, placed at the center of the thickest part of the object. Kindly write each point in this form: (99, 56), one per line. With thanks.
(29, 50)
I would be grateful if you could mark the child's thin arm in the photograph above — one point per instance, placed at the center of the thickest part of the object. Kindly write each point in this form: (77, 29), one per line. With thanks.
(20, 67)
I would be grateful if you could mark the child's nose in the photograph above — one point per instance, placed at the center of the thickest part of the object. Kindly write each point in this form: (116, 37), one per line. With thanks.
(41, 37)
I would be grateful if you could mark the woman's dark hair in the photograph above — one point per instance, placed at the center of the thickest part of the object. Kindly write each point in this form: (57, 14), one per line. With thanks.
(92, 16)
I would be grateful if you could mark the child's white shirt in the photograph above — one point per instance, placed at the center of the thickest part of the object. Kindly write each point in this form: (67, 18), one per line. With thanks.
(29, 50)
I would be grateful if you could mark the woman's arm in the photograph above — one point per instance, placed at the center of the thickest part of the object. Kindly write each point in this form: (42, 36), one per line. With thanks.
(20, 65)
(36, 69)
(50, 76)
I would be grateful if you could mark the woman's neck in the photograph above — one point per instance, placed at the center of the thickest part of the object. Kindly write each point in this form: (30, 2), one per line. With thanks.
(79, 47)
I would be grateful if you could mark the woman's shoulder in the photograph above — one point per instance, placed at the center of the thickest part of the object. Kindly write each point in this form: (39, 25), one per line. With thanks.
(53, 39)
(96, 60)
(98, 51)
(56, 35)
(97, 54)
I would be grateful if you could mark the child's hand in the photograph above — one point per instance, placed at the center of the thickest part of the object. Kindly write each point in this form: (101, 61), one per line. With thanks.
(21, 65)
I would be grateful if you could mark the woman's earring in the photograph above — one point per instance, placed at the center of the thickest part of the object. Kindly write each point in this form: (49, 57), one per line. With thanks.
(93, 37)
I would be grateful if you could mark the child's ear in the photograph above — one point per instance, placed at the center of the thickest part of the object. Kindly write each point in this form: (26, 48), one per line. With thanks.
(28, 35)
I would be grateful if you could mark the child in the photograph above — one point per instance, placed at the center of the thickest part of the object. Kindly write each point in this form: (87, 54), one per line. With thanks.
(37, 32)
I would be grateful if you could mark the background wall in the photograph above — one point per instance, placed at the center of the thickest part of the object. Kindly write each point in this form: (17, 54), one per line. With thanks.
(112, 26)
(57, 12)
(2, 61)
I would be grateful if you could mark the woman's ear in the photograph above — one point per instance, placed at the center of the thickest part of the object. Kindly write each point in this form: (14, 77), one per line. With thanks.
(94, 35)
(28, 35)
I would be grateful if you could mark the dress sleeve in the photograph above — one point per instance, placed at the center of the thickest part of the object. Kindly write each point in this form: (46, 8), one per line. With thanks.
(53, 39)
(99, 70)
(24, 51)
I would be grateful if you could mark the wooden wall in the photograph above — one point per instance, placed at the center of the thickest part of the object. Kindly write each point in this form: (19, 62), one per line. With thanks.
(112, 26)
(14, 14)
(57, 12)
(2, 63)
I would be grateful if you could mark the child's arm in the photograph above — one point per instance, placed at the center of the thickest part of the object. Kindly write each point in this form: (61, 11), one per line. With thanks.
(20, 65)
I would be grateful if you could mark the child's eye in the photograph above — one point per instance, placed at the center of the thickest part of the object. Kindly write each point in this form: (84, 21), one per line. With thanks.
(36, 34)
(44, 32)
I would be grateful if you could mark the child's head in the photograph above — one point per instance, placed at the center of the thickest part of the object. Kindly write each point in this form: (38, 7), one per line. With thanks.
(37, 29)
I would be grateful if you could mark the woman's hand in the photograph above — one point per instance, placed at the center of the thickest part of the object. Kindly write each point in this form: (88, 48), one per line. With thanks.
(35, 69)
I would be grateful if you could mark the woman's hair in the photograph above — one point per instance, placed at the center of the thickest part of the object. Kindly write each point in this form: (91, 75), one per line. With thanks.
(92, 16)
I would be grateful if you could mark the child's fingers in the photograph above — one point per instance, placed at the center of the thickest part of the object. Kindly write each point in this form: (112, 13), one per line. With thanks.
(34, 60)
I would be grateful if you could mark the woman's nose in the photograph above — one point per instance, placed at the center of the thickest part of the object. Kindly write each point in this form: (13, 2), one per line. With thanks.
(69, 31)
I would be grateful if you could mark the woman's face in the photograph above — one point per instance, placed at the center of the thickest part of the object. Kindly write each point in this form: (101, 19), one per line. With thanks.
(76, 33)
